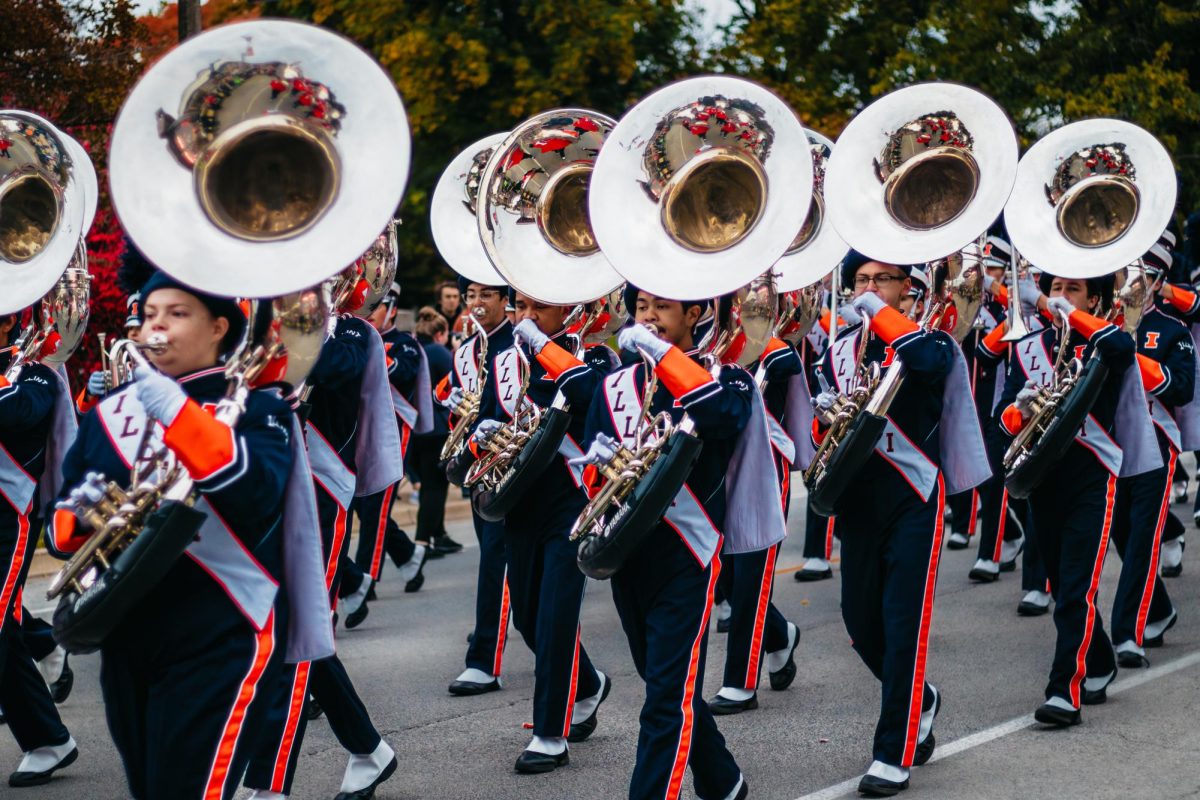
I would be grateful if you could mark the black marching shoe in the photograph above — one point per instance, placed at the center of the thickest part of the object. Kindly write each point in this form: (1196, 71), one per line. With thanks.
(811, 575)
(531, 763)
(60, 690)
(1130, 659)
(371, 592)
(924, 749)
(1095, 697)
(445, 545)
(722, 706)
(871, 786)
(21, 780)
(724, 624)
(958, 541)
(471, 688)
(1157, 641)
(369, 792)
(743, 792)
(358, 615)
(1057, 716)
(782, 678)
(313, 709)
(582, 730)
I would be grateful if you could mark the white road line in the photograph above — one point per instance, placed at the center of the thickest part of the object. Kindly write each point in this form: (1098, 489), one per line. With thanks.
(1013, 725)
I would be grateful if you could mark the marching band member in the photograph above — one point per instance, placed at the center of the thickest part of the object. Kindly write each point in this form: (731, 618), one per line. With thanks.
(182, 675)
(891, 548)
(1142, 610)
(408, 374)
(426, 448)
(1182, 303)
(354, 448)
(756, 626)
(36, 421)
(997, 551)
(818, 529)
(545, 585)
(485, 653)
(1073, 538)
(664, 592)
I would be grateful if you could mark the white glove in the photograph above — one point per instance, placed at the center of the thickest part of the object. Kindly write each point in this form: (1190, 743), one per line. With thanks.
(849, 315)
(95, 384)
(87, 493)
(602, 451)
(1024, 399)
(529, 333)
(1030, 294)
(824, 400)
(868, 304)
(454, 398)
(639, 338)
(1060, 305)
(160, 395)
(486, 430)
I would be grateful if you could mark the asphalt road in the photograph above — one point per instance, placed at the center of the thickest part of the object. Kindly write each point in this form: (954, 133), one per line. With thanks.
(810, 741)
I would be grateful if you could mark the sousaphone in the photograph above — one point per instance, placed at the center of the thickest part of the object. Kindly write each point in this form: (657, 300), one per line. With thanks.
(700, 188)
(533, 222)
(1090, 198)
(255, 160)
(915, 177)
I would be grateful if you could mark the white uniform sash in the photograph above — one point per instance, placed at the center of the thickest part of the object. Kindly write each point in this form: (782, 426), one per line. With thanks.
(1162, 418)
(378, 459)
(507, 379)
(327, 467)
(464, 365)
(16, 485)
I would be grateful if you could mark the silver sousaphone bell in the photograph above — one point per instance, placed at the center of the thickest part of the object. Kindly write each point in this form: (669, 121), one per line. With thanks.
(453, 216)
(1090, 198)
(698, 189)
(533, 208)
(818, 248)
(921, 172)
(257, 157)
(47, 201)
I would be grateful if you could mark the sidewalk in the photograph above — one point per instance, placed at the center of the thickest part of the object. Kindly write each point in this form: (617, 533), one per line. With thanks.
(403, 512)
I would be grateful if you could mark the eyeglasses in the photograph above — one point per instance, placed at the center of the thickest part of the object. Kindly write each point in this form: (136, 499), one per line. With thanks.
(486, 294)
(880, 280)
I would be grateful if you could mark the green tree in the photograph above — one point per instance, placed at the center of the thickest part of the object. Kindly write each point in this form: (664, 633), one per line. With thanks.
(469, 68)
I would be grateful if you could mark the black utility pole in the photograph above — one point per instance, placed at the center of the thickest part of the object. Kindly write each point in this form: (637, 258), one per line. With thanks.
(189, 18)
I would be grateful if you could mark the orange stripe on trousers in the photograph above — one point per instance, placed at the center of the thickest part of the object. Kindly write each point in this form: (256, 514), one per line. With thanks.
(381, 533)
(14, 569)
(264, 645)
(760, 620)
(288, 741)
(684, 748)
(1148, 589)
(1001, 526)
(1090, 619)
(502, 633)
(916, 700)
(574, 687)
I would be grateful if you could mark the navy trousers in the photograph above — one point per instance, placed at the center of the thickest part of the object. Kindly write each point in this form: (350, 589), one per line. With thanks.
(1139, 516)
(24, 697)
(664, 597)
(890, 555)
(818, 535)
(283, 722)
(182, 703)
(1033, 570)
(38, 635)
(1072, 512)
(486, 650)
(756, 625)
(546, 589)
(994, 503)
(964, 512)
(379, 533)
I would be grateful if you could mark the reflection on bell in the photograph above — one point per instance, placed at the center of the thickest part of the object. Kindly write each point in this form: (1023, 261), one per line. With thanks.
(705, 166)
(259, 137)
(1095, 196)
(817, 248)
(34, 163)
(532, 210)
(928, 172)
